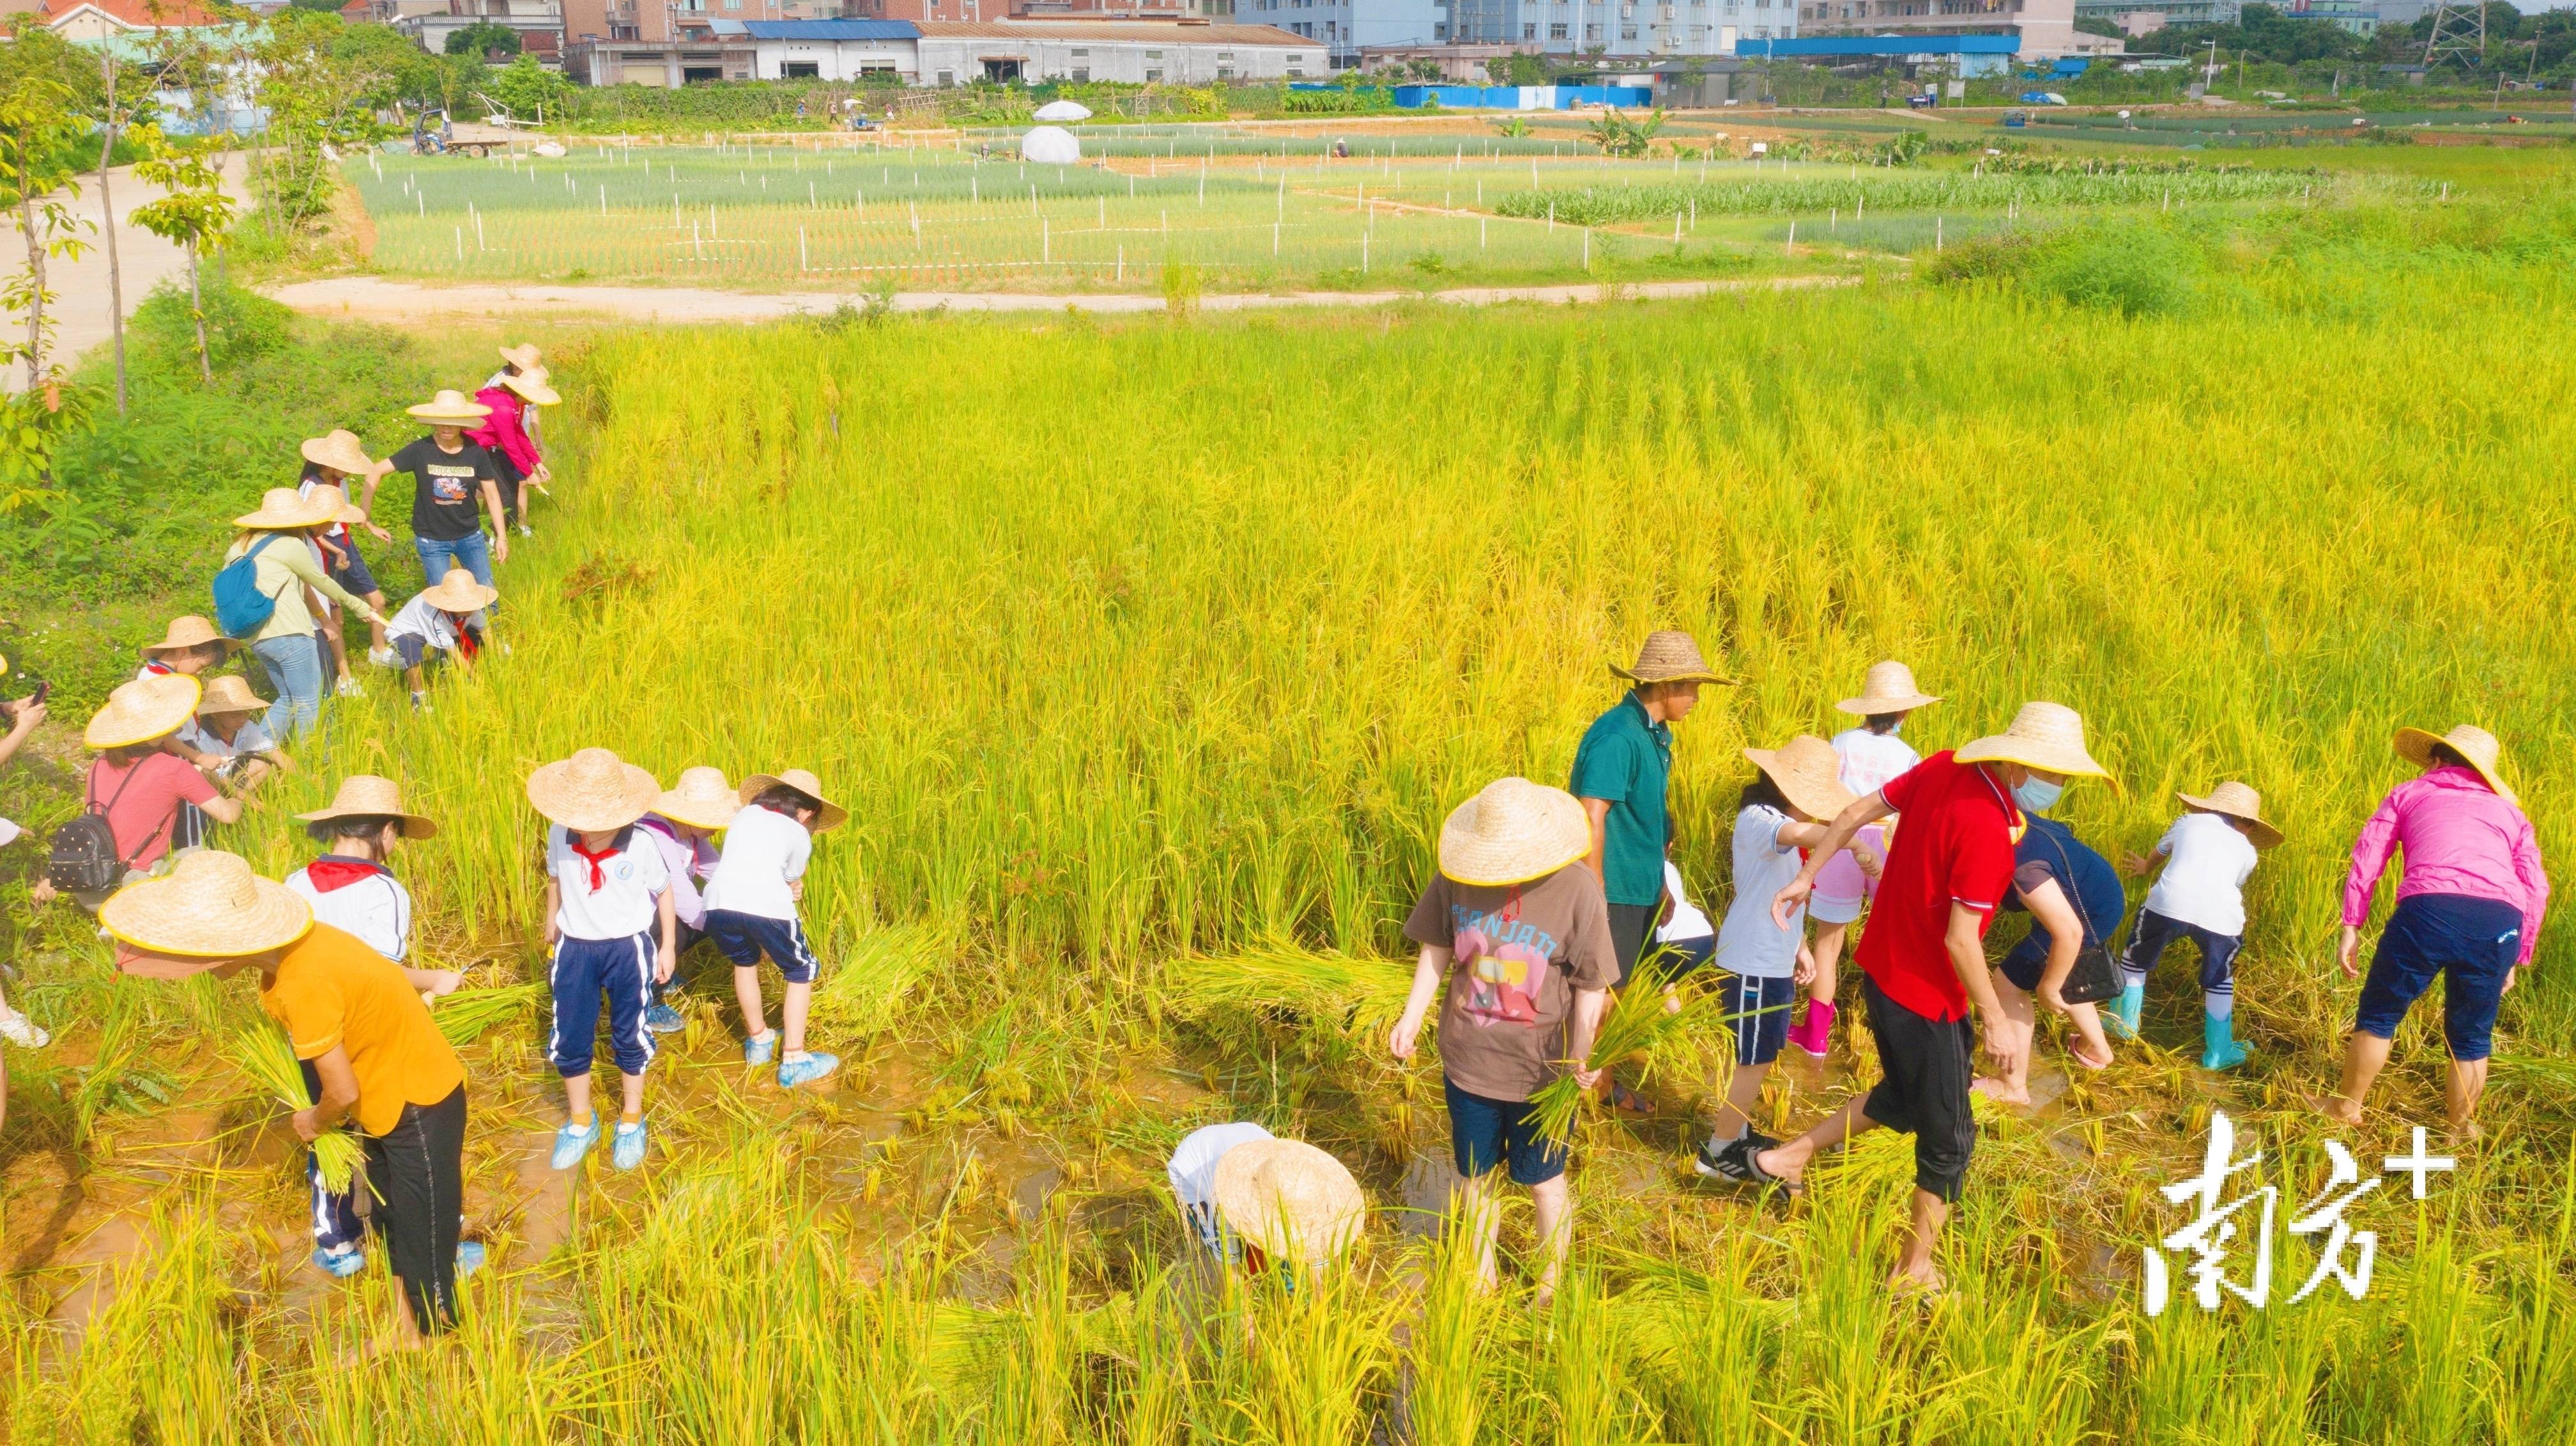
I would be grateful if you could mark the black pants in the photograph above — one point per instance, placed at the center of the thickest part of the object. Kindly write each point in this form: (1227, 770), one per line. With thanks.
(1632, 933)
(1928, 1067)
(418, 1166)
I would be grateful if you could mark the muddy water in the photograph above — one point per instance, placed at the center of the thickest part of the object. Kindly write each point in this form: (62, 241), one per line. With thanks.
(117, 1241)
(544, 1199)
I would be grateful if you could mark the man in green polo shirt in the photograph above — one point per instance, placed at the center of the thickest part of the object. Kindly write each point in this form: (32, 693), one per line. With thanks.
(1620, 772)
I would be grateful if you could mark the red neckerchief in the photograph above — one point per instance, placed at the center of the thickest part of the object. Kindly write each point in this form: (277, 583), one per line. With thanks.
(598, 880)
(468, 642)
(338, 871)
(157, 668)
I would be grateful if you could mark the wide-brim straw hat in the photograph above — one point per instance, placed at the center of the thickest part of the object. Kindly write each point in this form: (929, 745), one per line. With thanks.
(1808, 773)
(335, 497)
(594, 791)
(190, 631)
(145, 709)
(2239, 802)
(458, 592)
(339, 449)
(832, 816)
(1888, 688)
(1294, 1202)
(701, 799)
(1513, 831)
(281, 510)
(364, 795)
(523, 356)
(451, 407)
(209, 907)
(2473, 743)
(229, 693)
(531, 386)
(2048, 736)
(1671, 657)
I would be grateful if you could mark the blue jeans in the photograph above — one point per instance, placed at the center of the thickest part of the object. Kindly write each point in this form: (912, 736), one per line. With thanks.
(1485, 1132)
(472, 552)
(294, 665)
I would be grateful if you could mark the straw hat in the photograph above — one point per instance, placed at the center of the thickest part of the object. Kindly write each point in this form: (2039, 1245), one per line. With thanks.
(1670, 657)
(1513, 831)
(451, 407)
(1889, 688)
(531, 385)
(2047, 736)
(1808, 773)
(1289, 1199)
(523, 356)
(210, 906)
(338, 450)
(593, 792)
(2238, 802)
(229, 693)
(143, 710)
(336, 498)
(832, 816)
(702, 799)
(2470, 742)
(190, 631)
(458, 592)
(281, 510)
(363, 795)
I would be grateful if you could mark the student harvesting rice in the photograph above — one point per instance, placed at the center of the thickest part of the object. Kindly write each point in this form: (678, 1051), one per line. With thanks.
(2074, 900)
(442, 621)
(683, 825)
(138, 786)
(1251, 1199)
(277, 541)
(331, 460)
(1869, 755)
(190, 645)
(504, 434)
(2207, 856)
(752, 901)
(451, 479)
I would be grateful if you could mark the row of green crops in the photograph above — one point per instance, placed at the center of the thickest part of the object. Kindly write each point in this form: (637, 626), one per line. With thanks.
(1905, 190)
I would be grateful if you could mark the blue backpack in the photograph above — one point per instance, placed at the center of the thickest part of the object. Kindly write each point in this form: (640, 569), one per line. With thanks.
(241, 609)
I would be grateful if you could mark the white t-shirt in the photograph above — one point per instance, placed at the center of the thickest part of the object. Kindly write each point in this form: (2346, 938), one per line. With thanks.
(1193, 1174)
(420, 618)
(2205, 881)
(629, 881)
(1872, 760)
(250, 738)
(763, 853)
(1749, 943)
(1687, 921)
(376, 908)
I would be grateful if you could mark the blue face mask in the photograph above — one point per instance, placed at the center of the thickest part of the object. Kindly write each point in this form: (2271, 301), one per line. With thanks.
(2038, 795)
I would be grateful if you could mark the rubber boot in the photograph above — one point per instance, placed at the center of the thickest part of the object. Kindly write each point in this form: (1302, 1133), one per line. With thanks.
(2219, 1049)
(1815, 1033)
(2122, 1015)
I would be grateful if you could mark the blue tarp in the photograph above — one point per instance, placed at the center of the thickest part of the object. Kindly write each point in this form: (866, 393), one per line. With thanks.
(2069, 67)
(1520, 97)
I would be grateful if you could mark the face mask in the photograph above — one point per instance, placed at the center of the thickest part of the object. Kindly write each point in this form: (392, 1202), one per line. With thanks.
(2037, 794)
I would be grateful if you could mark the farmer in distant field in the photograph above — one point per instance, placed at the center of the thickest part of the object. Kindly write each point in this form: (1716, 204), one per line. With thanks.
(1252, 1199)
(1924, 954)
(1620, 773)
(2469, 906)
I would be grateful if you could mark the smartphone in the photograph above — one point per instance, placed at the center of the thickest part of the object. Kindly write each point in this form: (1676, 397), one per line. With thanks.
(43, 687)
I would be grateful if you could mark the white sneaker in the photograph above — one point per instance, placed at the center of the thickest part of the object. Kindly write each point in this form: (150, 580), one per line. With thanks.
(526, 531)
(21, 1031)
(381, 657)
(350, 687)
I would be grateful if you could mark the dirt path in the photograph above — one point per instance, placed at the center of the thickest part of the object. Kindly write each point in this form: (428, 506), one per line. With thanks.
(80, 287)
(372, 298)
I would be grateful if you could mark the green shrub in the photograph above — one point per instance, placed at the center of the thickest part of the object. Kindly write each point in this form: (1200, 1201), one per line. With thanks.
(2135, 269)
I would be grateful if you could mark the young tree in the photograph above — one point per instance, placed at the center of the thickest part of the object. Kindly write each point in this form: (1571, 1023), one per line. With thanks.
(195, 213)
(40, 126)
(111, 121)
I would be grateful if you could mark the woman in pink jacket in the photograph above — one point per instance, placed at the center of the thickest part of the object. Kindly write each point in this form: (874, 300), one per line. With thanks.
(504, 434)
(2468, 908)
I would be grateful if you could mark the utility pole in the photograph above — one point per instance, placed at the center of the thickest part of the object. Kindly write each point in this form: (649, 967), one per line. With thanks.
(2459, 34)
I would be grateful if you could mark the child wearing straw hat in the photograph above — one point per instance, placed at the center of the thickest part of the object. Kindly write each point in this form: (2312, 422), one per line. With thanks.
(357, 1020)
(504, 435)
(683, 825)
(137, 785)
(609, 919)
(190, 645)
(451, 479)
(1782, 812)
(2074, 899)
(1869, 755)
(2207, 855)
(24, 714)
(277, 541)
(2469, 906)
(753, 899)
(1253, 1199)
(224, 738)
(445, 620)
(342, 563)
(1516, 943)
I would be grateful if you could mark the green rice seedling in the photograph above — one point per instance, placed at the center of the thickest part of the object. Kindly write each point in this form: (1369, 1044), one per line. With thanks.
(263, 1052)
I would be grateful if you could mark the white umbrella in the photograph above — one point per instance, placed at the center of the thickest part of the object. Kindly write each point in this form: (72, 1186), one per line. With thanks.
(1050, 145)
(1063, 110)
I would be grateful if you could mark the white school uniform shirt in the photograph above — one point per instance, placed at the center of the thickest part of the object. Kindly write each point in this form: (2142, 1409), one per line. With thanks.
(250, 739)
(377, 908)
(763, 853)
(2204, 884)
(1192, 1172)
(1687, 921)
(1748, 942)
(1871, 761)
(629, 882)
(420, 618)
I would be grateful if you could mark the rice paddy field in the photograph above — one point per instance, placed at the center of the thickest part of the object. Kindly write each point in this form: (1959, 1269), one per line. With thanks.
(1149, 655)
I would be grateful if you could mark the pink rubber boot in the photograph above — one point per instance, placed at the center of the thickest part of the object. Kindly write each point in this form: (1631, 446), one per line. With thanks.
(1816, 1031)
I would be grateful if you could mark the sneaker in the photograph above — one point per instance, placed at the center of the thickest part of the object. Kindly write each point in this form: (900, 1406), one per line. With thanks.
(1728, 1162)
(663, 1019)
(340, 1264)
(574, 1141)
(349, 687)
(21, 1031)
(526, 531)
(419, 704)
(469, 1256)
(760, 1048)
(627, 1150)
(383, 657)
(812, 1067)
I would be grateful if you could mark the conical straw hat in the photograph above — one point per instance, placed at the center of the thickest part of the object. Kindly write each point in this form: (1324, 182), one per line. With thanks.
(229, 693)
(2047, 736)
(189, 631)
(1289, 1199)
(593, 792)
(363, 795)
(1808, 773)
(1513, 831)
(2470, 742)
(452, 408)
(1889, 688)
(532, 386)
(281, 510)
(339, 449)
(1670, 657)
(832, 816)
(333, 496)
(458, 592)
(2238, 802)
(701, 799)
(145, 709)
(210, 906)
(522, 356)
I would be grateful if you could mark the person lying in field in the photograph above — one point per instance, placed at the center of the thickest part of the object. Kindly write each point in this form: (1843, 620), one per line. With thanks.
(439, 621)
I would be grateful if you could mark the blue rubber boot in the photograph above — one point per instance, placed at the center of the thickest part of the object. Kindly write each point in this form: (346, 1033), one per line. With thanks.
(2122, 1016)
(2219, 1049)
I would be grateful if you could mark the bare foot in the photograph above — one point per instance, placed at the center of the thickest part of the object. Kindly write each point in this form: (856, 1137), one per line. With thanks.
(2087, 1061)
(2464, 1132)
(2336, 1108)
(1924, 1287)
(1630, 1102)
(2001, 1091)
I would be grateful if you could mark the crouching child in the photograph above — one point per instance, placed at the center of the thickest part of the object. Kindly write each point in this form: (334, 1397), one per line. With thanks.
(445, 620)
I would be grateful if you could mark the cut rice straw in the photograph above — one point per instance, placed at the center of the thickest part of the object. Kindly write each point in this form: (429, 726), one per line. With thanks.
(1638, 1024)
(267, 1056)
(1358, 992)
(463, 1016)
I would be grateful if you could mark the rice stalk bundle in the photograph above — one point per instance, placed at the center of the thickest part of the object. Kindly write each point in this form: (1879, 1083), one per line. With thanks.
(1638, 1024)
(868, 983)
(463, 1016)
(265, 1054)
(1360, 993)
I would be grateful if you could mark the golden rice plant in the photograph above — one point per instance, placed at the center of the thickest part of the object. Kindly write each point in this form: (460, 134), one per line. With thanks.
(463, 1016)
(263, 1052)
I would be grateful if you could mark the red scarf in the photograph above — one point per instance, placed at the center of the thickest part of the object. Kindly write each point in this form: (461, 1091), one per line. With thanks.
(598, 880)
(334, 871)
(468, 641)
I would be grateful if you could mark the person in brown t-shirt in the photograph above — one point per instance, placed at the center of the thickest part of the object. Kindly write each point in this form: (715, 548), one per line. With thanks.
(1516, 941)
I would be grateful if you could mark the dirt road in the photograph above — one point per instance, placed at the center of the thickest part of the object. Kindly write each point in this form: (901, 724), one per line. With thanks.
(80, 287)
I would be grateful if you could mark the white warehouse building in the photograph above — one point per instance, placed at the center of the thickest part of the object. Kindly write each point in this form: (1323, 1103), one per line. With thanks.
(939, 53)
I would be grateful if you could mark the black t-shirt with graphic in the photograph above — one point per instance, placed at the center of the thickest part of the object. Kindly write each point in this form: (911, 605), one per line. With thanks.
(447, 488)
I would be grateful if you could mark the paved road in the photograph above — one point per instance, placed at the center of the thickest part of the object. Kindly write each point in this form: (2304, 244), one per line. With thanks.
(80, 287)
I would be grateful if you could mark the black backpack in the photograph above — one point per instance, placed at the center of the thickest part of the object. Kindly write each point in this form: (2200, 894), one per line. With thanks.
(85, 860)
